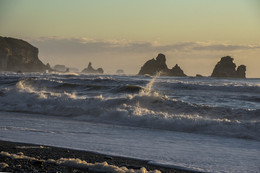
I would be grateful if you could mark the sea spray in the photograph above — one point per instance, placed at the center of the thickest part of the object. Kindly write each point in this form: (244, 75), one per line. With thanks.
(148, 88)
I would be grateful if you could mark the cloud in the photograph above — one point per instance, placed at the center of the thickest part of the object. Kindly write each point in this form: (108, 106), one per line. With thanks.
(193, 57)
(87, 45)
(227, 47)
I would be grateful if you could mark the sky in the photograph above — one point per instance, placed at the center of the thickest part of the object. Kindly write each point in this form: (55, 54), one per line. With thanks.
(124, 34)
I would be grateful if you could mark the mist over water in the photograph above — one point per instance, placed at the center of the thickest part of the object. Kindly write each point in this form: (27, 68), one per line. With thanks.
(222, 107)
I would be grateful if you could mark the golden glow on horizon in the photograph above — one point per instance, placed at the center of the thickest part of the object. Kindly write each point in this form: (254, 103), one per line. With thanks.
(166, 22)
(146, 20)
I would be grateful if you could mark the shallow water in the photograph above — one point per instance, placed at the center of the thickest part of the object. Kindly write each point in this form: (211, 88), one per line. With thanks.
(200, 123)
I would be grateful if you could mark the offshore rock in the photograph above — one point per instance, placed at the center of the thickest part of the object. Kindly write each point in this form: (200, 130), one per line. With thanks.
(176, 71)
(60, 68)
(154, 66)
(120, 71)
(18, 55)
(90, 69)
(158, 66)
(227, 68)
(199, 75)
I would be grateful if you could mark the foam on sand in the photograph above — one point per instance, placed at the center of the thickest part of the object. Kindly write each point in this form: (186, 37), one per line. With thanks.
(78, 163)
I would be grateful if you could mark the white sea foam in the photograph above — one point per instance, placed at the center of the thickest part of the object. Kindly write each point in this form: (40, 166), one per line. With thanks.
(19, 155)
(107, 99)
(3, 165)
(78, 163)
(99, 167)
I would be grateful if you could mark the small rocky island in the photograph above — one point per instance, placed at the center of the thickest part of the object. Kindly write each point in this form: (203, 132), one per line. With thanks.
(90, 69)
(120, 71)
(227, 68)
(158, 65)
(60, 68)
(18, 55)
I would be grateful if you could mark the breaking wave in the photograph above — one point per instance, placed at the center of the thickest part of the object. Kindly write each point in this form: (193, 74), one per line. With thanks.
(131, 101)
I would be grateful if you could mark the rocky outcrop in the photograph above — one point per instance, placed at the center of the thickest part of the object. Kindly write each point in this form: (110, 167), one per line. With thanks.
(120, 71)
(90, 69)
(176, 71)
(60, 68)
(199, 75)
(18, 55)
(227, 68)
(158, 66)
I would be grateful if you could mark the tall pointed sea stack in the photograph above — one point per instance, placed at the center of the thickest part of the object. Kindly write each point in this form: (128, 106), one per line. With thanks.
(158, 65)
(227, 68)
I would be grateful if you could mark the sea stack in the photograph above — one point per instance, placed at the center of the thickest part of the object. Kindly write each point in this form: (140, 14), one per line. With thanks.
(18, 55)
(158, 65)
(60, 68)
(227, 68)
(120, 71)
(90, 69)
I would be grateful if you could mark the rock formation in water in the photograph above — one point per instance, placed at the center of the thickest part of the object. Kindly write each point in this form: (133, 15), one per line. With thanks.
(227, 68)
(60, 68)
(176, 71)
(18, 55)
(90, 69)
(120, 71)
(199, 75)
(158, 66)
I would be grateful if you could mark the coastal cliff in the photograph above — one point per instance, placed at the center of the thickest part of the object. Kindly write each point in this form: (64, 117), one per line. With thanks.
(18, 55)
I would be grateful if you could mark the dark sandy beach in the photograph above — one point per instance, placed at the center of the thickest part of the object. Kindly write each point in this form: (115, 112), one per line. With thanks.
(21, 157)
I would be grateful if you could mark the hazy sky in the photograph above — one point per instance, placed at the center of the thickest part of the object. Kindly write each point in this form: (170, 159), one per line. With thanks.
(123, 34)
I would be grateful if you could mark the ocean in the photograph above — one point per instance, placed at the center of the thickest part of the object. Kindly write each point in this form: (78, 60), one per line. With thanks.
(203, 124)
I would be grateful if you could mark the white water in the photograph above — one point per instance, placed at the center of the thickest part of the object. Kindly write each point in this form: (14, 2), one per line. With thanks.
(204, 124)
(193, 151)
(158, 103)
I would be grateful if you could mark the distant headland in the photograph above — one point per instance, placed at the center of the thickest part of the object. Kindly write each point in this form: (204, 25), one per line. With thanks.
(18, 55)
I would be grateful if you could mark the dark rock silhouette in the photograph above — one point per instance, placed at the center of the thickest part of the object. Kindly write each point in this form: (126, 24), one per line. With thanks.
(18, 55)
(176, 71)
(158, 66)
(227, 68)
(154, 66)
(60, 68)
(199, 75)
(120, 71)
(241, 71)
(48, 66)
(90, 69)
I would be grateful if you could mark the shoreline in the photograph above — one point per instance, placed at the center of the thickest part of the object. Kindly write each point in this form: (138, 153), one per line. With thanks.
(41, 158)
